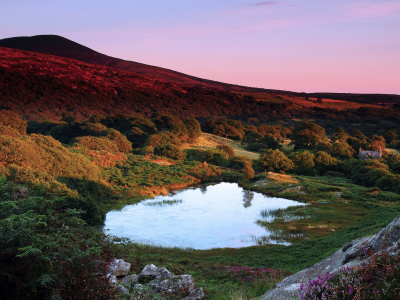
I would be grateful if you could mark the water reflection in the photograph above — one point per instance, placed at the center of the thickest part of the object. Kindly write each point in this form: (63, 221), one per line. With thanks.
(247, 197)
(203, 189)
(218, 215)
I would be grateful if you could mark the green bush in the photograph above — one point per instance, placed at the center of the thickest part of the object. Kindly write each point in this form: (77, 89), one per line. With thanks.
(170, 151)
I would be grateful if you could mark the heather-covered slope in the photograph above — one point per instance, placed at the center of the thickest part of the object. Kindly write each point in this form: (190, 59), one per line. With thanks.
(60, 46)
(47, 87)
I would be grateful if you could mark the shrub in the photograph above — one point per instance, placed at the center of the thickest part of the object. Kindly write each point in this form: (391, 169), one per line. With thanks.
(368, 172)
(96, 143)
(48, 252)
(378, 277)
(238, 162)
(8, 131)
(163, 138)
(120, 140)
(137, 137)
(170, 151)
(47, 155)
(10, 118)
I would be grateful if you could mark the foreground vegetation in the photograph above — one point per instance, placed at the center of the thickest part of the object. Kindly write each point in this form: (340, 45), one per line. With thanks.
(61, 177)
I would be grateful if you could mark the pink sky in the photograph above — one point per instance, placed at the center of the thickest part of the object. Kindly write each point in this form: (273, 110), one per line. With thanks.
(305, 46)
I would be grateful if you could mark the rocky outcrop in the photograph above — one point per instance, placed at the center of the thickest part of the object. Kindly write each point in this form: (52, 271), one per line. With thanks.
(350, 255)
(153, 280)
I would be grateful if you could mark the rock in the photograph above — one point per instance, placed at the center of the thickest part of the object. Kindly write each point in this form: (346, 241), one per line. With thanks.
(129, 280)
(350, 255)
(151, 272)
(123, 289)
(112, 279)
(186, 283)
(196, 294)
(175, 285)
(119, 267)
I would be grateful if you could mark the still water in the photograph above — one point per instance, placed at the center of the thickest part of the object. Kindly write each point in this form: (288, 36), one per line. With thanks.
(212, 216)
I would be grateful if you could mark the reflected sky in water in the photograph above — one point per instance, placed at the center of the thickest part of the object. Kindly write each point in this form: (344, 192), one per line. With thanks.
(213, 216)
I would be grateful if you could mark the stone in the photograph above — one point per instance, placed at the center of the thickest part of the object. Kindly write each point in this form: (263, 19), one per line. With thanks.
(119, 267)
(123, 289)
(175, 285)
(112, 279)
(196, 294)
(129, 280)
(351, 255)
(151, 272)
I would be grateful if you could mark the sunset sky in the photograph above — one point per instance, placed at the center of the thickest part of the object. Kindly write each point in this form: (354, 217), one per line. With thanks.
(304, 46)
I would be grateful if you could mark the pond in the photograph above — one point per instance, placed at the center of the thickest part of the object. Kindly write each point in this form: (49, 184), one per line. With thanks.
(209, 216)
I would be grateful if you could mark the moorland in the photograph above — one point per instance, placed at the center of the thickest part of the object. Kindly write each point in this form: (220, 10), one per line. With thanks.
(78, 139)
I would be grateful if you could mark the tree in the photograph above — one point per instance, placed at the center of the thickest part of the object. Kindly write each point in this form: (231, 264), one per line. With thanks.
(248, 171)
(378, 142)
(252, 137)
(193, 128)
(307, 134)
(324, 162)
(232, 132)
(319, 100)
(272, 142)
(390, 136)
(227, 149)
(303, 162)
(170, 151)
(219, 130)
(275, 160)
(342, 150)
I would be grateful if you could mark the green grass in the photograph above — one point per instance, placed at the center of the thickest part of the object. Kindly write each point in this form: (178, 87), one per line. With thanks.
(239, 149)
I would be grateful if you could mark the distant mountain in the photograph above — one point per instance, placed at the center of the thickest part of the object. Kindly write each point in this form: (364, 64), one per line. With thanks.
(60, 46)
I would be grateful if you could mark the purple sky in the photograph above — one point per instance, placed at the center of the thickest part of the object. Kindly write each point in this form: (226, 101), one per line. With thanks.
(305, 46)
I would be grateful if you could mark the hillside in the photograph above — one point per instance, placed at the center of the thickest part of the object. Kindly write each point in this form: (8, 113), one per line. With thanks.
(49, 87)
(60, 46)
(63, 47)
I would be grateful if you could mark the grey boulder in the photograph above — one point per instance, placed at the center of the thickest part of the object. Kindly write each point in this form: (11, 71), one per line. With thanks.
(196, 294)
(151, 272)
(119, 267)
(129, 280)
